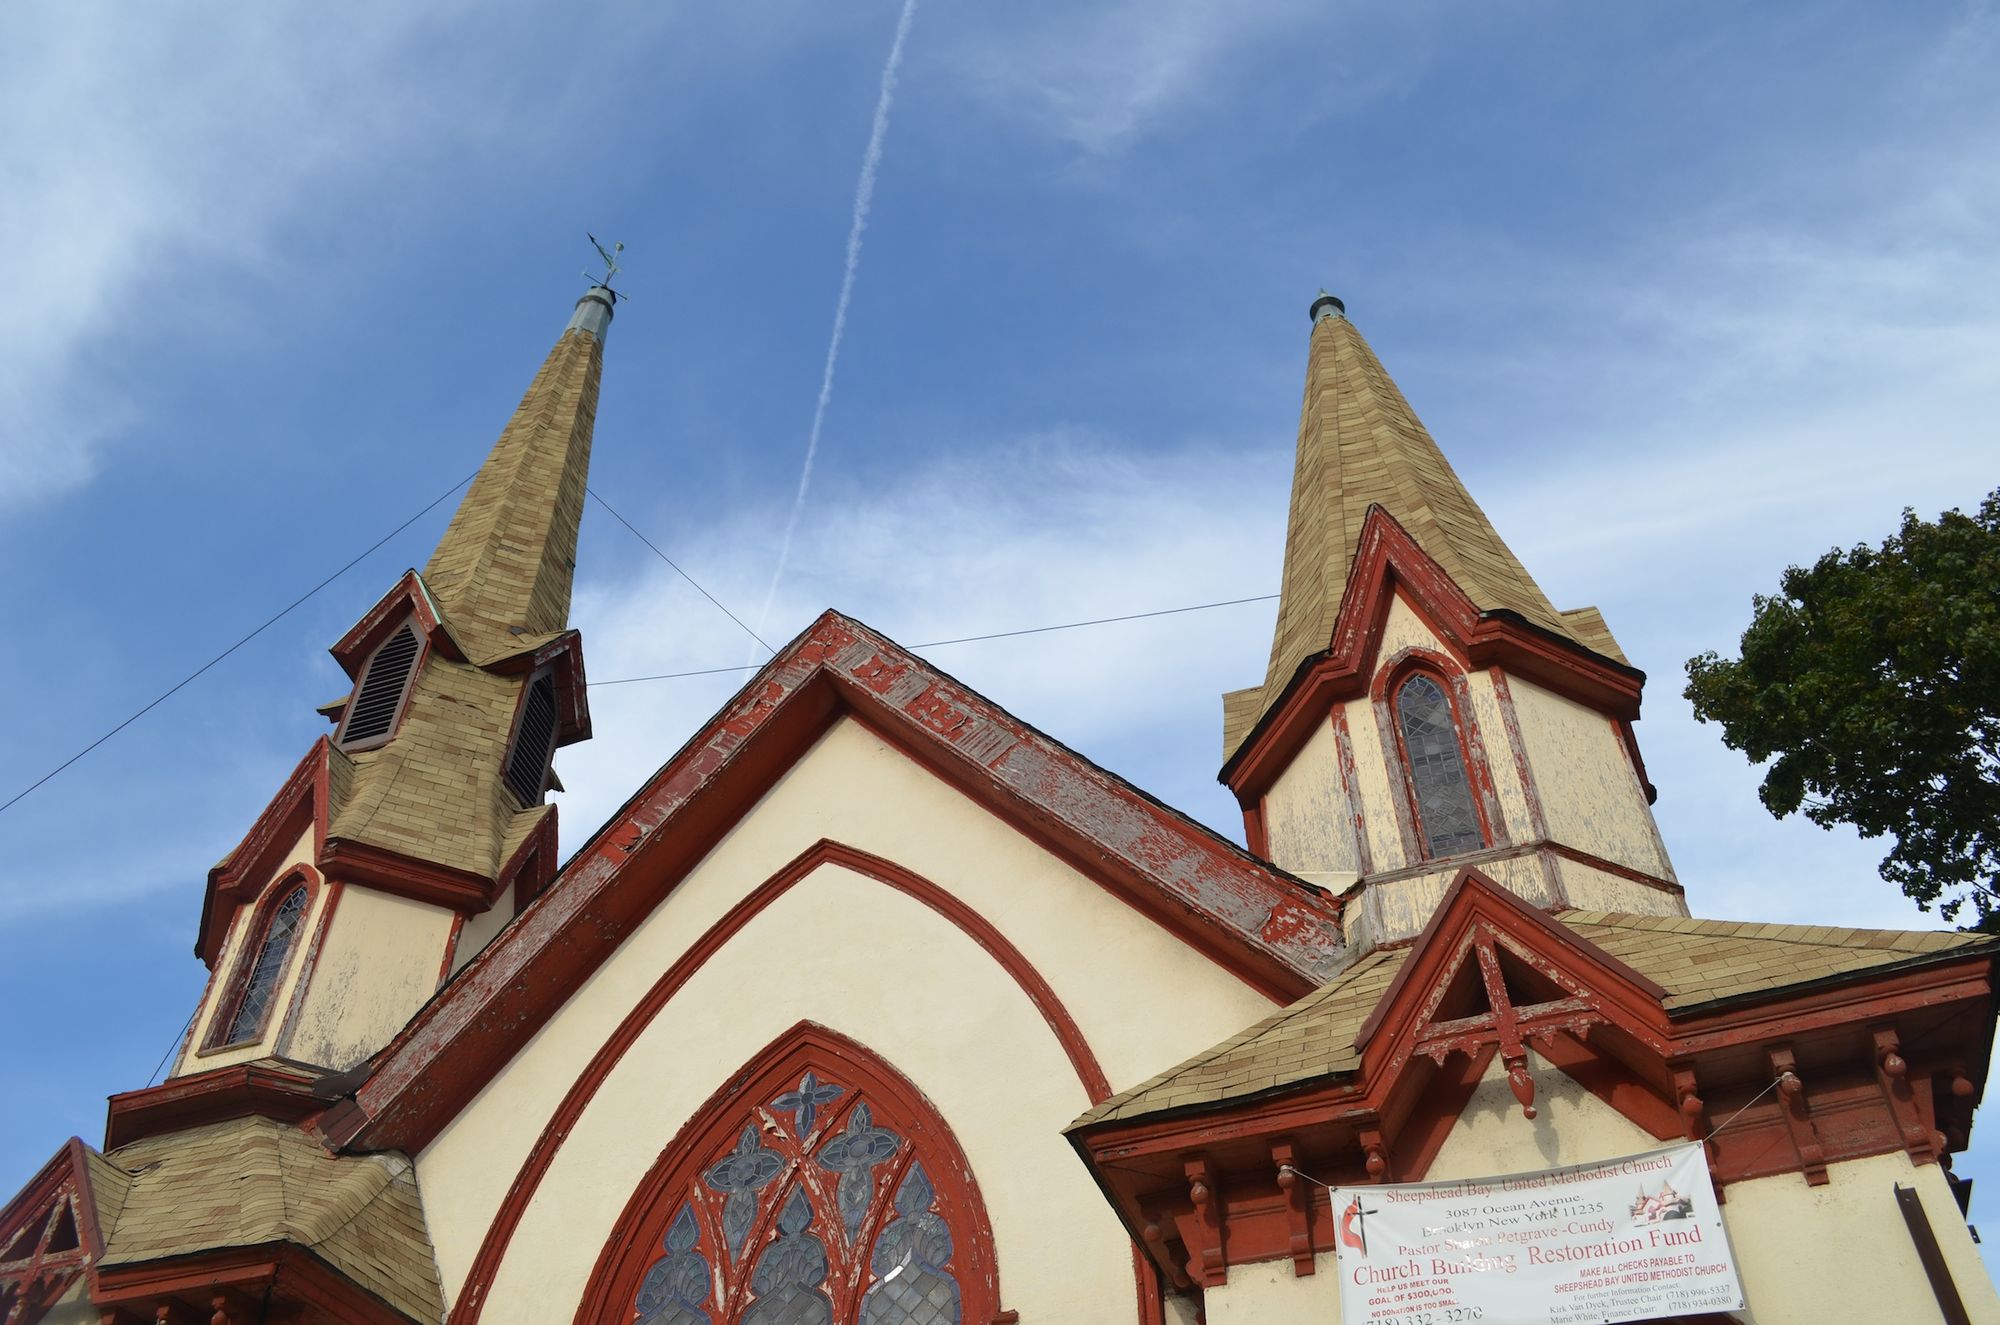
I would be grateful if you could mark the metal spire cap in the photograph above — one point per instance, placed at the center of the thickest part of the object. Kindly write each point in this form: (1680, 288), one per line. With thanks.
(593, 311)
(1326, 306)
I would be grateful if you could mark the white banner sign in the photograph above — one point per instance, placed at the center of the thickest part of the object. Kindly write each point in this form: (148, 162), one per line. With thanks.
(1625, 1239)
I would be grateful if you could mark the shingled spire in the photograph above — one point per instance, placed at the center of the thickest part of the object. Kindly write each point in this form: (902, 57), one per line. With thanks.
(1361, 445)
(507, 561)
(425, 811)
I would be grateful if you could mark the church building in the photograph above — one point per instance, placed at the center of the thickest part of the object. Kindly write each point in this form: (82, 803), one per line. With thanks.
(876, 1004)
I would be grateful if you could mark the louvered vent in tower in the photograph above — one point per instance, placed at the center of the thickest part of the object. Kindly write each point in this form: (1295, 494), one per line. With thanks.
(380, 694)
(534, 741)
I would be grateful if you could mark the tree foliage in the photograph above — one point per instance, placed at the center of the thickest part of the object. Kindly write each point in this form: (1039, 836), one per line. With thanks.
(1872, 684)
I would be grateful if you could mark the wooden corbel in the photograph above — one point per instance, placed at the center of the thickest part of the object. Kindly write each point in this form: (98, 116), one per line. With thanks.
(1205, 1263)
(1694, 1123)
(170, 1312)
(1798, 1119)
(1892, 1071)
(1155, 1233)
(232, 1307)
(1374, 1154)
(1298, 1207)
(1520, 1081)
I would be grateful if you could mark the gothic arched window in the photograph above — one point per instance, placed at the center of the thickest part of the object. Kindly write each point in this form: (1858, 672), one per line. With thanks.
(260, 968)
(1440, 789)
(821, 1189)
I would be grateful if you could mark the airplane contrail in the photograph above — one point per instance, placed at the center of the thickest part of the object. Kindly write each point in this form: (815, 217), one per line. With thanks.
(864, 195)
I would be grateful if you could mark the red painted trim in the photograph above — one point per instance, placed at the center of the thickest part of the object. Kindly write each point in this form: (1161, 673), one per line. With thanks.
(1350, 781)
(301, 1285)
(1472, 898)
(1255, 835)
(301, 804)
(262, 1089)
(450, 949)
(1386, 691)
(1387, 562)
(1276, 933)
(410, 675)
(301, 987)
(407, 599)
(406, 876)
(255, 935)
(1510, 721)
(634, 1242)
(493, 1249)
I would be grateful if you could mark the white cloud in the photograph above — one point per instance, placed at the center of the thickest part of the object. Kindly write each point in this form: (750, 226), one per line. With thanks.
(1062, 527)
(1103, 76)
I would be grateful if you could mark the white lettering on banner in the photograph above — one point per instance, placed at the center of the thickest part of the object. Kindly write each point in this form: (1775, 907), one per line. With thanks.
(1625, 1239)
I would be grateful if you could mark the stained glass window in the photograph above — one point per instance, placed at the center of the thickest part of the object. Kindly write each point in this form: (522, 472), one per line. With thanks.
(1449, 823)
(817, 1205)
(261, 985)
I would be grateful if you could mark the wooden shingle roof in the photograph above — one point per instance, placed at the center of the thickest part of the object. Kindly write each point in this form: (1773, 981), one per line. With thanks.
(252, 1182)
(1698, 962)
(1361, 445)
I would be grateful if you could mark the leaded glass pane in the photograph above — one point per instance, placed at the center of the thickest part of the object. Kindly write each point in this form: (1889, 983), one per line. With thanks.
(912, 1284)
(1437, 769)
(262, 985)
(814, 1206)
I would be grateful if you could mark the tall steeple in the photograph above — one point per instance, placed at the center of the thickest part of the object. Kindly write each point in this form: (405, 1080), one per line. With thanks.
(507, 561)
(423, 814)
(1361, 445)
(1425, 705)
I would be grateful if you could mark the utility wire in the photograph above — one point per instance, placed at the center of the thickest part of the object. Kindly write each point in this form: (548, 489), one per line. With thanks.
(683, 574)
(963, 639)
(288, 609)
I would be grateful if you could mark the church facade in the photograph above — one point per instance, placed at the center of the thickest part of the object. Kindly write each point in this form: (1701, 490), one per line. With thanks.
(876, 1004)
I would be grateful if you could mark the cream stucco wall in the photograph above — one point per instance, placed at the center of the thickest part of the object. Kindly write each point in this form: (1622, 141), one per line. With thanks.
(193, 1059)
(381, 959)
(482, 929)
(1308, 823)
(1590, 794)
(1502, 761)
(1807, 1255)
(874, 964)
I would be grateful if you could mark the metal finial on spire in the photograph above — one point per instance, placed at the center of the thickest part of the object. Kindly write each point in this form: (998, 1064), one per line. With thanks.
(1326, 306)
(610, 257)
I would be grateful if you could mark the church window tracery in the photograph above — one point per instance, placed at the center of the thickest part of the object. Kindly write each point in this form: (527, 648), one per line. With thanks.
(1440, 787)
(260, 969)
(824, 1191)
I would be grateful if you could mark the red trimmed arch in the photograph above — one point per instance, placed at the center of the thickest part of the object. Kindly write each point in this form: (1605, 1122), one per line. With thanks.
(675, 1184)
(1449, 675)
(500, 1233)
(256, 934)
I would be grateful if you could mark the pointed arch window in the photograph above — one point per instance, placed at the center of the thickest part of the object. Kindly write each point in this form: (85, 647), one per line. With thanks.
(261, 963)
(384, 686)
(824, 1190)
(1435, 767)
(534, 745)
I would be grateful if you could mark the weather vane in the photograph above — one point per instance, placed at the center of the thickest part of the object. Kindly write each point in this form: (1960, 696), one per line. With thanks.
(610, 257)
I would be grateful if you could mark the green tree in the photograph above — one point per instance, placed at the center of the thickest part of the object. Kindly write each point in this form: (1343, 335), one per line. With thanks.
(1872, 684)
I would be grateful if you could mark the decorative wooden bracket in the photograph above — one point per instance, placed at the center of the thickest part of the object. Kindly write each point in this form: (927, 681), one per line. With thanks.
(1375, 1154)
(1798, 1120)
(1892, 1070)
(232, 1308)
(1205, 1263)
(1298, 1207)
(172, 1313)
(1694, 1123)
(1156, 1243)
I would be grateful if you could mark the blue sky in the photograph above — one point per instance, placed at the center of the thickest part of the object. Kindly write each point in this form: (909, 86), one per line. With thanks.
(1686, 294)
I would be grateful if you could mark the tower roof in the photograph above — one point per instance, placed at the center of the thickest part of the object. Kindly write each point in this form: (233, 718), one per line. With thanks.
(506, 564)
(1361, 445)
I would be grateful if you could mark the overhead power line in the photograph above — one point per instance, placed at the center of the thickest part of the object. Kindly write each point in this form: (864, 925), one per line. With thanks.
(284, 612)
(678, 571)
(965, 639)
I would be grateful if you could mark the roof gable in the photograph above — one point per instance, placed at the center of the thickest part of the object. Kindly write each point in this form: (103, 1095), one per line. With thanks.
(1277, 933)
(1264, 728)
